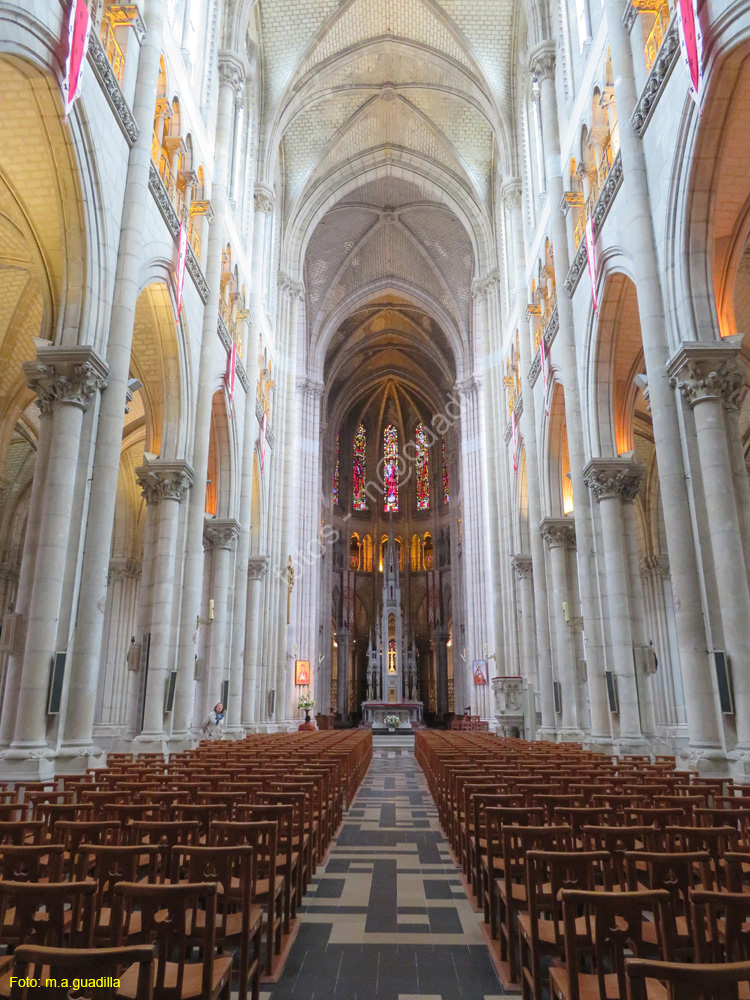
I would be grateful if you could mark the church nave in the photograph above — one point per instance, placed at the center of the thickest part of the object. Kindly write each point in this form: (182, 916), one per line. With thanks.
(388, 918)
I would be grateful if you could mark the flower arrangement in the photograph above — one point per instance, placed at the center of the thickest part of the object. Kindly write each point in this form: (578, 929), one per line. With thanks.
(392, 721)
(306, 703)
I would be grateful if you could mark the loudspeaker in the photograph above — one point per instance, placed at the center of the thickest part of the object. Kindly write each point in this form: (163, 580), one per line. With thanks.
(271, 701)
(169, 693)
(54, 696)
(557, 691)
(614, 703)
(724, 681)
(224, 694)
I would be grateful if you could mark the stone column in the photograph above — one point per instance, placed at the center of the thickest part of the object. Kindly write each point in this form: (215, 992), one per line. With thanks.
(256, 570)
(441, 670)
(26, 580)
(231, 80)
(560, 536)
(638, 626)
(611, 481)
(542, 62)
(85, 656)
(122, 607)
(66, 380)
(164, 486)
(342, 673)
(522, 564)
(511, 192)
(219, 538)
(710, 378)
(640, 243)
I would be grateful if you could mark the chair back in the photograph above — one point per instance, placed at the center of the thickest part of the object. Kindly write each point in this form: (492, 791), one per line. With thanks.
(171, 918)
(686, 981)
(34, 913)
(108, 864)
(678, 873)
(31, 862)
(721, 926)
(550, 873)
(33, 962)
(22, 831)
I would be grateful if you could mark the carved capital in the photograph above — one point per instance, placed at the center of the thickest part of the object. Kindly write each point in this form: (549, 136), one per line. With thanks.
(512, 192)
(122, 569)
(542, 61)
(522, 565)
(310, 387)
(291, 289)
(613, 478)
(220, 533)
(655, 566)
(257, 567)
(160, 480)
(231, 72)
(65, 375)
(558, 532)
(708, 371)
(469, 386)
(263, 198)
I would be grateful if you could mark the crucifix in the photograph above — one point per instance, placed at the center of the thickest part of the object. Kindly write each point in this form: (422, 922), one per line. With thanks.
(289, 588)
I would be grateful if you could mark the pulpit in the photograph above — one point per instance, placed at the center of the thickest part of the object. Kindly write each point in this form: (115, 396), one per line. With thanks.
(514, 707)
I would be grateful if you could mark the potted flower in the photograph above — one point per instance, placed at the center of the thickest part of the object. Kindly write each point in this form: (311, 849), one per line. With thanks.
(393, 722)
(306, 704)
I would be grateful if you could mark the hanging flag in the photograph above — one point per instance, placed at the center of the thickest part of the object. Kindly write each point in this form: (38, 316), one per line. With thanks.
(263, 441)
(231, 370)
(182, 245)
(542, 350)
(691, 44)
(79, 31)
(591, 258)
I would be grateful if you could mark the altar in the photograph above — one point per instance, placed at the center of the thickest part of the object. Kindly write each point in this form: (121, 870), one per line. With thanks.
(409, 712)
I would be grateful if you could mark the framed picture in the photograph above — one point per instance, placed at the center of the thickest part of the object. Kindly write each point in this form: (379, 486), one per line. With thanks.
(302, 673)
(481, 676)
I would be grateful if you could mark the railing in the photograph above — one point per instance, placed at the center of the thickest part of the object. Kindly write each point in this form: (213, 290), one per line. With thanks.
(161, 160)
(655, 39)
(113, 50)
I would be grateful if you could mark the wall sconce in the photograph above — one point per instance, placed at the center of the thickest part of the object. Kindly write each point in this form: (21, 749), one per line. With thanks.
(574, 624)
(487, 654)
(206, 621)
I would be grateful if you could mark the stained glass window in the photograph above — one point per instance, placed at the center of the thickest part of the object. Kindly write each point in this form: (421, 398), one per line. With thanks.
(359, 474)
(423, 469)
(336, 474)
(446, 481)
(390, 469)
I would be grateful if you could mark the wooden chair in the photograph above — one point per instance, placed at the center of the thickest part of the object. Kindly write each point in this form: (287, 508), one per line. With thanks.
(287, 859)
(108, 864)
(721, 925)
(491, 863)
(510, 891)
(57, 914)
(548, 874)
(301, 840)
(203, 814)
(165, 834)
(26, 831)
(239, 922)
(612, 922)
(31, 862)
(33, 962)
(677, 981)
(737, 871)
(262, 837)
(169, 921)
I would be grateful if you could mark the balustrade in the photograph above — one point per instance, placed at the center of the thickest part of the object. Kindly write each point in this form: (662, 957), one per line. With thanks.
(656, 36)
(112, 49)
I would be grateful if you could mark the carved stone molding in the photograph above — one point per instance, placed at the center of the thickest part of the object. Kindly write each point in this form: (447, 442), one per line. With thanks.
(242, 375)
(160, 480)
(522, 565)
(112, 91)
(558, 531)
(123, 569)
(550, 332)
(655, 566)
(469, 386)
(257, 566)
(291, 289)
(511, 192)
(542, 61)
(220, 533)
(708, 371)
(629, 16)
(65, 375)
(517, 412)
(169, 214)
(603, 204)
(657, 79)
(310, 387)
(231, 72)
(263, 199)
(613, 478)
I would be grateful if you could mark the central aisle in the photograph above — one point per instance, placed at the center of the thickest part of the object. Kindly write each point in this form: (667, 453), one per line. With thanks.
(388, 918)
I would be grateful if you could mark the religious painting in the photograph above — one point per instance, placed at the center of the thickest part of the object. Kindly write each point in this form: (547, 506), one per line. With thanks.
(423, 469)
(481, 675)
(302, 673)
(359, 469)
(390, 469)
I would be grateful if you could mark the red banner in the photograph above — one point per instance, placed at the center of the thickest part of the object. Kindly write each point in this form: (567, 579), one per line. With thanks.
(231, 370)
(591, 258)
(182, 245)
(691, 44)
(79, 29)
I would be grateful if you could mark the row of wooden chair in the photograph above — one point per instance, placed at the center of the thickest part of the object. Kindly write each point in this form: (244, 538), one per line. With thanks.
(532, 822)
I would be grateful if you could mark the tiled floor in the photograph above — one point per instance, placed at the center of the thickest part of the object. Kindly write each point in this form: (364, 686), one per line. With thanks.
(388, 918)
